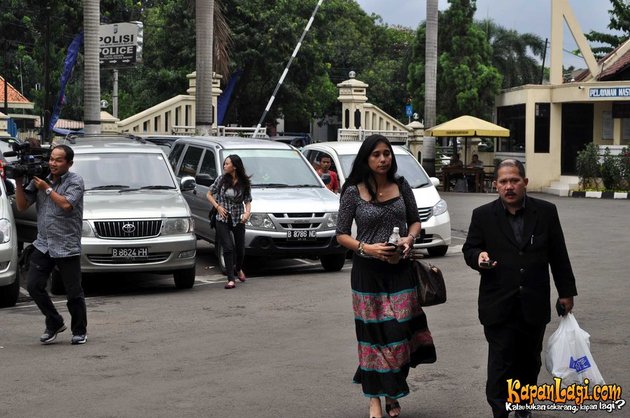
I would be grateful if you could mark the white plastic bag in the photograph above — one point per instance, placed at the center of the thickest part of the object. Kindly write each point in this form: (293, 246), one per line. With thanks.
(568, 354)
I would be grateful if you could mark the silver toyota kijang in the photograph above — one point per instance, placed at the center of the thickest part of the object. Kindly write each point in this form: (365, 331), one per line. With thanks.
(135, 218)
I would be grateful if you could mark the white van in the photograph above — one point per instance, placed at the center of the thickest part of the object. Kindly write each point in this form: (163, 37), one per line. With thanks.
(293, 214)
(435, 236)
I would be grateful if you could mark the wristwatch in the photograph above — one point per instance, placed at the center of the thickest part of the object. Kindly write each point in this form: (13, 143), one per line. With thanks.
(49, 191)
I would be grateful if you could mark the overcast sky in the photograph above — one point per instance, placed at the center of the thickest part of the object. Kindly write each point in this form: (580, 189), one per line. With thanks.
(532, 16)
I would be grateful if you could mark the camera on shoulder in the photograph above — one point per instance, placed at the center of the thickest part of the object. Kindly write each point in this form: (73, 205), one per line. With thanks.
(30, 161)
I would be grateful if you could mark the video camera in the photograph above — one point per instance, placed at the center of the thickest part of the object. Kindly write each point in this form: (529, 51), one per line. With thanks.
(30, 161)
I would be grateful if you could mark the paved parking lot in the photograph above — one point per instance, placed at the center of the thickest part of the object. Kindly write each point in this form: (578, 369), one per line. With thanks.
(282, 344)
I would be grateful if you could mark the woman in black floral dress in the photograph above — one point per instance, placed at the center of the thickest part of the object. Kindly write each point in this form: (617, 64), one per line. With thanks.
(391, 327)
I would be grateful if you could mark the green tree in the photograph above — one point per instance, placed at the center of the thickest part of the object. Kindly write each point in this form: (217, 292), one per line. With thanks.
(467, 80)
(619, 21)
(342, 38)
(35, 37)
(511, 54)
(387, 75)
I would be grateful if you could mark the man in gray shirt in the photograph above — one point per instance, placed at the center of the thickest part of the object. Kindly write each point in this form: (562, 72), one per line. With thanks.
(59, 202)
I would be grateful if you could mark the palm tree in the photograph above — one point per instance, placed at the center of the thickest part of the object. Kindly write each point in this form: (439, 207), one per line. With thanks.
(511, 54)
(430, 76)
(91, 77)
(204, 27)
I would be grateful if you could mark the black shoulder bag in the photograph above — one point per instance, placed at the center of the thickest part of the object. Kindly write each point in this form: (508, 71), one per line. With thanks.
(213, 217)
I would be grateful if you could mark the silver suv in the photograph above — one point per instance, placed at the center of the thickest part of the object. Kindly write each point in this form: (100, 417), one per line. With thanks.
(9, 272)
(135, 218)
(294, 215)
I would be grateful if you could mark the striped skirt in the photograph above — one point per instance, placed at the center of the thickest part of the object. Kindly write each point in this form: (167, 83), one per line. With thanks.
(391, 327)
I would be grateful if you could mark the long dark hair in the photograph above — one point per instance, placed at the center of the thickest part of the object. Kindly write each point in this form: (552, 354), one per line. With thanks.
(244, 183)
(361, 172)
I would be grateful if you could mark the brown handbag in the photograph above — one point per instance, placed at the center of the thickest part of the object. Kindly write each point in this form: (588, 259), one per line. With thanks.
(431, 287)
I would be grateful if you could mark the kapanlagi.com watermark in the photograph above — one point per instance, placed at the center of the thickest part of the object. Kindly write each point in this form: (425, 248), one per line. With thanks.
(573, 398)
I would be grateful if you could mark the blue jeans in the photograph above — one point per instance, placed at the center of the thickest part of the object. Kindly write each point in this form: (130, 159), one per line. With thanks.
(41, 266)
(232, 240)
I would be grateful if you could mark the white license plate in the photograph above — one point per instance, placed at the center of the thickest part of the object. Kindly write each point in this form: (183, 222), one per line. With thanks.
(298, 235)
(130, 252)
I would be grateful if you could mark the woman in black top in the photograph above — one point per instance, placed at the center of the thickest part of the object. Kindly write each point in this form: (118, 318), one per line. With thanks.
(391, 328)
(231, 195)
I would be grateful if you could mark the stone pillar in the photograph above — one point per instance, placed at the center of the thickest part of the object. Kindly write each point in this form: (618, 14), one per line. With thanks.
(416, 139)
(216, 92)
(353, 96)
(109, 123)
(4, 125)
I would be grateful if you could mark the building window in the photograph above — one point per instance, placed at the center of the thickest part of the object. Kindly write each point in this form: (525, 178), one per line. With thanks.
(607, 125)
(541, 128)
(513, 118)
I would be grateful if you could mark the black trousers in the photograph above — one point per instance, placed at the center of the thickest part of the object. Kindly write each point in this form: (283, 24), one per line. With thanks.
(513, 353)
(232, 239)
(41, 266)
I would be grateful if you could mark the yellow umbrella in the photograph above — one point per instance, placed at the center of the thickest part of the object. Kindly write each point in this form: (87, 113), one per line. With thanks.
(467, 126)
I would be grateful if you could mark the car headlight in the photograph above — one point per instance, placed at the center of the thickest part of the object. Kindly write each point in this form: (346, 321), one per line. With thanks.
(260, 221)
(440, 208)
(174, 226)
(5, 230)
(331, 220)
(86, 230)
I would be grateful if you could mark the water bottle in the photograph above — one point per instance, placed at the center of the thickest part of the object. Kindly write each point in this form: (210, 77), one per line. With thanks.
(395, 236)
(393, 240)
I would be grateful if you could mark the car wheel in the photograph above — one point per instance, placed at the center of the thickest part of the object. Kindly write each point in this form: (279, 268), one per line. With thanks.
(218, 251)
(9, 294)
(333, 262)
(438, 251)
(56, 283)
(184, 279)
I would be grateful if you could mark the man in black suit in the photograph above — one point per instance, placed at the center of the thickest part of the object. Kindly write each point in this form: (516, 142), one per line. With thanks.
(511, 242)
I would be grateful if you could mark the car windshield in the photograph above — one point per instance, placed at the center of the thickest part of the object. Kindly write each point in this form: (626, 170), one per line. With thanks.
(123, 171)
(408, 167)
(276, 168)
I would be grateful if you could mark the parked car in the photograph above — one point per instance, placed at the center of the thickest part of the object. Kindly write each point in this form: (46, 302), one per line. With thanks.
(435, 236)
(164, 141)
(9, 271)
(293, 215)
(135, 218)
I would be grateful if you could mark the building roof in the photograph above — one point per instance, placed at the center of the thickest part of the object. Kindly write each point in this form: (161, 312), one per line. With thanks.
(619, 64)
(13, 95)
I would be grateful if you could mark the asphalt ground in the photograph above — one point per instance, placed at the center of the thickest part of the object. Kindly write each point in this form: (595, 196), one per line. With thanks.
(282, 344)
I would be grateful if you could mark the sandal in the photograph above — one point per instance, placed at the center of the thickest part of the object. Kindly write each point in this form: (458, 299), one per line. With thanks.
(240, 275)
(390, 406)
(230, 285)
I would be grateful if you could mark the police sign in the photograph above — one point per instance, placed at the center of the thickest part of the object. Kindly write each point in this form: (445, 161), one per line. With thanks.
(120, 44)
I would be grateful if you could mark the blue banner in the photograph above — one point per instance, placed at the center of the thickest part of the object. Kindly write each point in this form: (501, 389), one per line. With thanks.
(71, 59)
(224, 99)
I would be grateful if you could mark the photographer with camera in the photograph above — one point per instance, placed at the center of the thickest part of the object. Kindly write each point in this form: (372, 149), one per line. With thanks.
(59, 202)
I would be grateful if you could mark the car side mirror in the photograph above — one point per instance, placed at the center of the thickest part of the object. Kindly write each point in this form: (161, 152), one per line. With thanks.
(204, 180)
(435, 181)
(187, 183)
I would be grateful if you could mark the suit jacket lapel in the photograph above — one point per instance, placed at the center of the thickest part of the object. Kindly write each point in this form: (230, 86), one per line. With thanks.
(504, 224)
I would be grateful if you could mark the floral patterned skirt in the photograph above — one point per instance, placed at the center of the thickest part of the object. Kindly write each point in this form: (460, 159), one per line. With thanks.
(391, 327)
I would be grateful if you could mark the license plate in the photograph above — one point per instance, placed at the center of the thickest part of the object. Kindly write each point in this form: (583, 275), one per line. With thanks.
(298, 235)
(130, 252)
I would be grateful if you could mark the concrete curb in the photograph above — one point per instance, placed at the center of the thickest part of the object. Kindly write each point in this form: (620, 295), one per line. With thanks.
(602, 195)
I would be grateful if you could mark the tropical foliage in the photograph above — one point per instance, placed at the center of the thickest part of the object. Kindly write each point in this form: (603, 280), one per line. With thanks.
(620, 22)
(467, 81)
(257, 38)
(515, 55)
